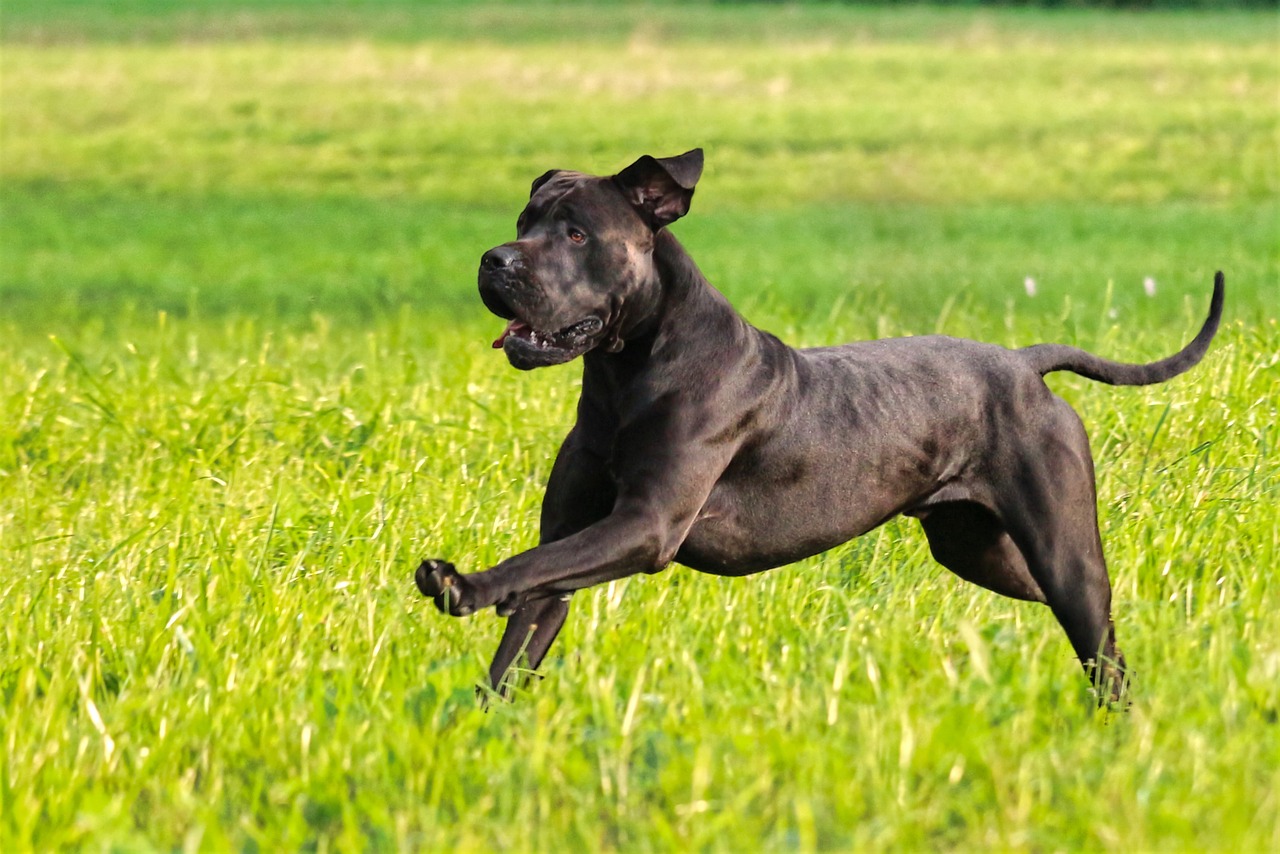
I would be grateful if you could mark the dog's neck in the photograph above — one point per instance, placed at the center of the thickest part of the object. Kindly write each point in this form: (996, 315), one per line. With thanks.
(692, 309)
(682, 281)
(686, 309)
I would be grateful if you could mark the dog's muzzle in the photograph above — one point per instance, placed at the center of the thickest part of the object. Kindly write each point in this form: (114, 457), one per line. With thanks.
(525, 344)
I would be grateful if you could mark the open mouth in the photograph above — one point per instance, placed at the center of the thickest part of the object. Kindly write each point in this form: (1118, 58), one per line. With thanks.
(527, 347)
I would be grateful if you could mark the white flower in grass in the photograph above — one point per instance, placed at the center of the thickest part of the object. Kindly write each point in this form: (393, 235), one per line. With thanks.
(1030, 284)
(1149, 286)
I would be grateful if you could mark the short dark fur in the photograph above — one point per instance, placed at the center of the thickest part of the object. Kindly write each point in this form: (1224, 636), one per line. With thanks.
(703, 440)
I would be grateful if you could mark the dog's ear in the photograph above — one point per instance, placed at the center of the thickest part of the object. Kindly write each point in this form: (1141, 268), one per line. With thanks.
(547, 176)
(661, 188)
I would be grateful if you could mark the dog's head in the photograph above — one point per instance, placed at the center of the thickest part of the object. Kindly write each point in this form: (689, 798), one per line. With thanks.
(580, 273)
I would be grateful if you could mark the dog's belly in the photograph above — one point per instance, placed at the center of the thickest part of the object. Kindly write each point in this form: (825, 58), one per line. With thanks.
(723, 547)
(752, 526)
(821, 483)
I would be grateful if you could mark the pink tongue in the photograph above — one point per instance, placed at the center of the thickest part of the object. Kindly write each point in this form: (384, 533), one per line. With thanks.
(512, 327)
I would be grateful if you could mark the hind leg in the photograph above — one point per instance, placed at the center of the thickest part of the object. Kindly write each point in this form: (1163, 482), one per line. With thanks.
(1048, 504)
(969, 540)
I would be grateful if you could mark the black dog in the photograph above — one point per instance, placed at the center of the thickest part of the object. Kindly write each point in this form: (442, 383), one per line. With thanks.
(703, 440)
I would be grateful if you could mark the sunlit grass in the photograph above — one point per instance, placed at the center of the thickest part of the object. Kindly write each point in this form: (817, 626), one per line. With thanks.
(210, 539)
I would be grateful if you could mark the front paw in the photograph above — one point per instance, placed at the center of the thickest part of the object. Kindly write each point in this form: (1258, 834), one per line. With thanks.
(444, 585)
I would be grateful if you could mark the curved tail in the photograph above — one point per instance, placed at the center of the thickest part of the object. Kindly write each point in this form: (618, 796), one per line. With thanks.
(1046, 358)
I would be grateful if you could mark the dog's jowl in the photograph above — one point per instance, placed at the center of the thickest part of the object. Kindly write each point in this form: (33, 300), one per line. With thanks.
(703, 440)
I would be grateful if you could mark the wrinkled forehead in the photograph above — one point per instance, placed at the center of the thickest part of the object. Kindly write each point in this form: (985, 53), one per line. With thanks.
(560, 183)
(586, 195)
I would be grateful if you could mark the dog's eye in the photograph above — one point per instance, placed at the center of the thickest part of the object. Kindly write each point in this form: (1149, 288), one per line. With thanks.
(577, 235)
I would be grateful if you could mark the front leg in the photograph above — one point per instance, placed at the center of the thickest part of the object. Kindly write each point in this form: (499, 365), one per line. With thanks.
(665, 466)
(530, 631)
(440, 582)
(626, 542)
(579, 493)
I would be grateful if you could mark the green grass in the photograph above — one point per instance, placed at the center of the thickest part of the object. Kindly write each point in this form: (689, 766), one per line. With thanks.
(245, 385)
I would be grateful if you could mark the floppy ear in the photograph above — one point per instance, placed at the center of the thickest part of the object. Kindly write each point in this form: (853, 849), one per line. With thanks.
(661, 188)
(547, 176)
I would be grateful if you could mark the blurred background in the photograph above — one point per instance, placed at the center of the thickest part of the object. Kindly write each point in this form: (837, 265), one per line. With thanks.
(354, 158)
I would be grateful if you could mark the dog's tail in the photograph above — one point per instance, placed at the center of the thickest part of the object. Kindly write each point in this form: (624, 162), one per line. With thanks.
(1046, 358)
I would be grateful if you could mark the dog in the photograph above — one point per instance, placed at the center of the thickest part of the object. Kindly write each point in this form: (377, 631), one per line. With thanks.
(705, 441)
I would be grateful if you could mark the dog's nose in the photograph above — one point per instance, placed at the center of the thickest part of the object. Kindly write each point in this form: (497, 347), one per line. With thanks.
(499, 257)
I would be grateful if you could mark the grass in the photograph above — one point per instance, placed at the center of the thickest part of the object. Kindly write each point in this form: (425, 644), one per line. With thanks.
(245, 386)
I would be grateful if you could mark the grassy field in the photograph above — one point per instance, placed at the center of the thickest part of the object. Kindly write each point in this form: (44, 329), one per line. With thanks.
(245, 385)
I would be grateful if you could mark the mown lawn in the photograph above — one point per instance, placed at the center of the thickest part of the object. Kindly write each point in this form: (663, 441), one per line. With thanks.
(245, 385)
